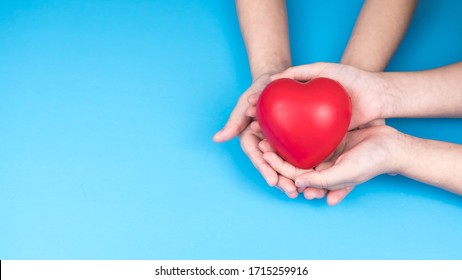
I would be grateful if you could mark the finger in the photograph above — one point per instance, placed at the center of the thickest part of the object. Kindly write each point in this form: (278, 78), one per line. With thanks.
(302, 72)
(311, 193)
(336, 196)
(249, 144)
(251, 112)
(324, 165)
(335, 177)
(281, 166)
(287, 186)
(279, 188)
(253, 99)
(237, 122)
(265, 146)
(300, 190)
(255, 126)
(258, 134)
(373, 123)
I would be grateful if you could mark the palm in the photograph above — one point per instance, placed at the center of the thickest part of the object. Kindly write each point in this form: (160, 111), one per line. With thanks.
(239, 120)
(362, 86)
(363, 154)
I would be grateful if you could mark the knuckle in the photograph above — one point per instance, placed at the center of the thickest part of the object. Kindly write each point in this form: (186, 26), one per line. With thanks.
(322, 182)
(244, 145)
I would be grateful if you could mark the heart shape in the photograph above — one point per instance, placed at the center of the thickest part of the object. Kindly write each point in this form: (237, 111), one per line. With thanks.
(304, 122)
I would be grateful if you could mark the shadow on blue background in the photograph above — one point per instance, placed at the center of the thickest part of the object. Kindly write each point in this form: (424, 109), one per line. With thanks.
(107, 109)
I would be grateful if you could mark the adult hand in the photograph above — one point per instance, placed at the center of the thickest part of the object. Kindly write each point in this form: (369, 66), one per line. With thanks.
(249, 143)
(292, 172)
(365, 88)
(238, 124)
(288, 173)
(363, 154)
(239, 120)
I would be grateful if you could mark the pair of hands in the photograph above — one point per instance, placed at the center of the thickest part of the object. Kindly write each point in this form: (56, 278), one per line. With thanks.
(366, 151)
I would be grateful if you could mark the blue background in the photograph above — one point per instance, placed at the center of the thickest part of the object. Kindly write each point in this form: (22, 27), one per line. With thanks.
(107, 109)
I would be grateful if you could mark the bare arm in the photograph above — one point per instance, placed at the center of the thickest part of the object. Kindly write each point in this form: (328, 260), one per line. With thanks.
(379, 29)
(377, 150)
(432, 93)
(436, 93)
(372, 151)
(377, 34)
(433, 162)
(264, 28)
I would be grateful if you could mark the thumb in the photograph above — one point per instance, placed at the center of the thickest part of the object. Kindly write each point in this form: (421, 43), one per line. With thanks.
(302, 72)
(336, 177)
(237, 122)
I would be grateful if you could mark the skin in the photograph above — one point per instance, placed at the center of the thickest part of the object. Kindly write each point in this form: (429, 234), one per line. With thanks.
(379, 29)
(265, 32)
(264, 29)
(368, 152)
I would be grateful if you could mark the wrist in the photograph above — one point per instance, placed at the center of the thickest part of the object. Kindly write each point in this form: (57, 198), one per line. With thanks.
(270, 67)
(402, 144)
(368, 64)
(387, 93)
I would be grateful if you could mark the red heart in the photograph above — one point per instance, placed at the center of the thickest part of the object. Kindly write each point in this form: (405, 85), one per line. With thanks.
(304, 122)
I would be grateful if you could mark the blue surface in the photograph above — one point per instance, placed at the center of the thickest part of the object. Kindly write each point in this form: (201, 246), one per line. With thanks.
(107, 109)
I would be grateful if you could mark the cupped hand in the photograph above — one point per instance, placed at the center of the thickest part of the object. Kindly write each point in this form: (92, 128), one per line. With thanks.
(366, 89)
(238, 124)
(249, 143)
(362, 155)
(239, 120)
(289, 171)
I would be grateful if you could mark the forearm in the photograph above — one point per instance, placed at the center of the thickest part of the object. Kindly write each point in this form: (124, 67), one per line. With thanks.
(433, 162)
(432, 93)
(377, 33)
(264, 29)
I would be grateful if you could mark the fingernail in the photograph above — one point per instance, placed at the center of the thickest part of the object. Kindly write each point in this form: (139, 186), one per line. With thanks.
(319, 196)
(292, 195)
(334, 202)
